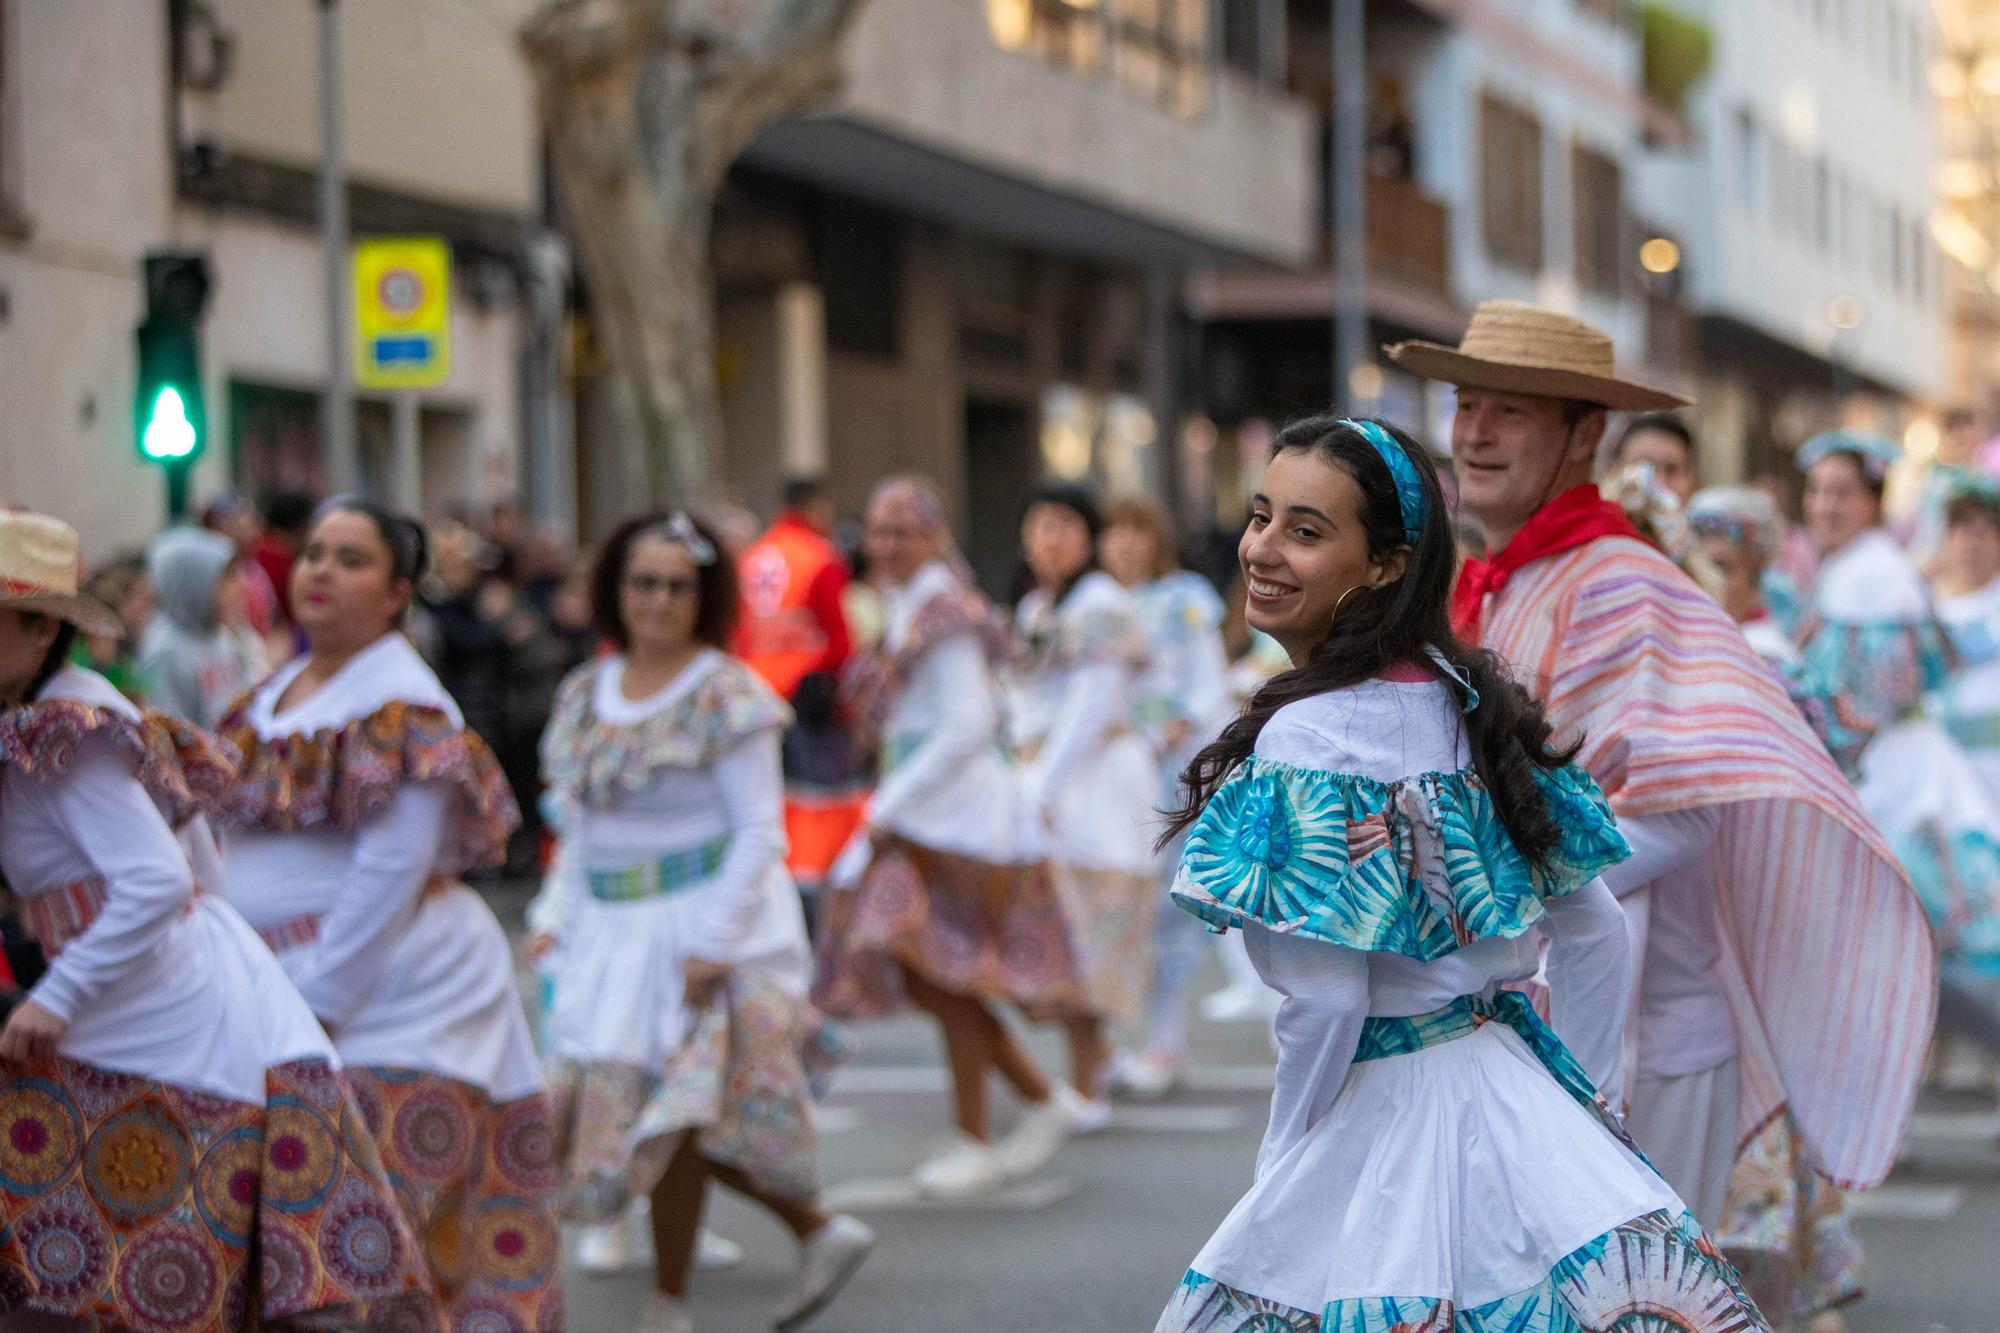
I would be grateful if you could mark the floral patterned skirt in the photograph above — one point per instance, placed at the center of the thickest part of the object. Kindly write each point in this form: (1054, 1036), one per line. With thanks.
(474, 1178)
(742, 1083)
(149, 1206)
(967, 926)
(1111, 915)
(1790, 1231)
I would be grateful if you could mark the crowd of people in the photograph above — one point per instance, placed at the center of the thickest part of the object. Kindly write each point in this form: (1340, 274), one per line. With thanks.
(1568, 842)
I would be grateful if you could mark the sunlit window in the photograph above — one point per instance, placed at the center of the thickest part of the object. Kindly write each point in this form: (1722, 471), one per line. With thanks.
(1156, 49)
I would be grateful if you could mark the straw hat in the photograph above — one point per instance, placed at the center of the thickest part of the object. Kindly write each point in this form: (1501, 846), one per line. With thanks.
(38, 560)
(1513, 347)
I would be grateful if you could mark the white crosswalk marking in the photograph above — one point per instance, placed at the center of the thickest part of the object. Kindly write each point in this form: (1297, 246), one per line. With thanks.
(895, 1194)
(1910, 1203)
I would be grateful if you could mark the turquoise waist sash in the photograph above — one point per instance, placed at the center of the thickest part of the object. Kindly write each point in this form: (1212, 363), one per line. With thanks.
(657, 879)
(1383, 1038)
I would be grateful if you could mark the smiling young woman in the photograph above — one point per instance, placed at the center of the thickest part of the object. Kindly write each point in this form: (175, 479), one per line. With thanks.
(1391, 828)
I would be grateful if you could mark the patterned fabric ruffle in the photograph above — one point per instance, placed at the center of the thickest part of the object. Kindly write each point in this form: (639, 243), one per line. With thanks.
(1883, 670)
(1830, 718)
(966, 926)
(742, 1082)
(1958, 878)
(154, 1207)
(1420, 867)
(1111, 924)
(342, 777)
(1789, 1231)
(597, 761)
(872, 679)
(473, 1178)
(1653, 1272)
(181, 767)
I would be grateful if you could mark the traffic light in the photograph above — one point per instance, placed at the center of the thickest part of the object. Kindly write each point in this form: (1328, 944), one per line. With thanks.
(170, 424)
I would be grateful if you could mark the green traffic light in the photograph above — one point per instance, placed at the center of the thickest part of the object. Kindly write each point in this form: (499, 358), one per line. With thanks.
(169, 433)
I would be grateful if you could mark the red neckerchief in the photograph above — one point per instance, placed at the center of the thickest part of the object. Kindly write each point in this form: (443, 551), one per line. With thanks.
(1572, 519)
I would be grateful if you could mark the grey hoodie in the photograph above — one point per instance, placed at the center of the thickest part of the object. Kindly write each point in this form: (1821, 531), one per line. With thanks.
(194, 666)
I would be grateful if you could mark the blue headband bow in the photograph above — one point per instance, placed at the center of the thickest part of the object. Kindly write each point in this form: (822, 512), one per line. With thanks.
(1409, 486)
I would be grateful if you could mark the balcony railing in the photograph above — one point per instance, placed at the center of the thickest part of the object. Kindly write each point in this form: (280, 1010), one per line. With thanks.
(1409, 234)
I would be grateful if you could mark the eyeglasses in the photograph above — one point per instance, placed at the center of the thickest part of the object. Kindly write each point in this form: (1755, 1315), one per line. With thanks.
(674, 585)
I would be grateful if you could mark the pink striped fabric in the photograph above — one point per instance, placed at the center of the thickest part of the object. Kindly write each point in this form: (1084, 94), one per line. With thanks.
(1831, 965)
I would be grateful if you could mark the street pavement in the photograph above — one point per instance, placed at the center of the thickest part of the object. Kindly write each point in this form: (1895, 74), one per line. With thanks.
(1096, 1242)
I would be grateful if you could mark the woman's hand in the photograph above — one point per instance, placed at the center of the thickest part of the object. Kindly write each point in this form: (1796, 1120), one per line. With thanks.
(536, 947)
(701, 979)
(31, 1032)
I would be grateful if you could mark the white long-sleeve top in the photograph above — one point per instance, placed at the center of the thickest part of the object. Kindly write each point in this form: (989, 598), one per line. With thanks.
(949, 786)
(1091, 775)
(1186, 677)
(161, 984)
(1390, 731)
(407, 966)
(619, 972)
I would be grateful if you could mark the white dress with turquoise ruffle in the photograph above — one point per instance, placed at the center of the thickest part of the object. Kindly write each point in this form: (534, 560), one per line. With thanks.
(1437, 1158)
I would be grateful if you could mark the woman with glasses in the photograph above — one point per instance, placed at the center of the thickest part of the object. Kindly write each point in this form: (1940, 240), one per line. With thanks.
(679, 1025)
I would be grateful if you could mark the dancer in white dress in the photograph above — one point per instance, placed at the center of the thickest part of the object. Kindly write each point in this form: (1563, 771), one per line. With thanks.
(1183, 700)
(1089, 772)
(360, 800)
(178, 1149)
(680, 962)
(1389, 825)
(945, 901)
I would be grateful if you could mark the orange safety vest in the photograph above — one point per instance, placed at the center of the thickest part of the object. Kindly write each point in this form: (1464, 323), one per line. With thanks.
(776, 633)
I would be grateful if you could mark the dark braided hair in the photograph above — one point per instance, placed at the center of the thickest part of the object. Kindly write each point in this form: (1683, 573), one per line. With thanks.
(1397, 624)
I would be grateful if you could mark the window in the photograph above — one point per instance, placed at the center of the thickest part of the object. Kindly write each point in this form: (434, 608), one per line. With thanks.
(1823, 205)
(1158, 49)
(1598, 212)
(1749, 164)
(1510, 180)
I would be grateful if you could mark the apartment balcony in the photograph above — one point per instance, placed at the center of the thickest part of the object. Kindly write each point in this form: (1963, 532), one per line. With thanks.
(1409, 272)
(1102, 148)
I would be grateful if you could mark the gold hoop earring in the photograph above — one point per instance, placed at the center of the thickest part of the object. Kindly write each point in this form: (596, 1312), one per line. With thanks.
(1342, 601)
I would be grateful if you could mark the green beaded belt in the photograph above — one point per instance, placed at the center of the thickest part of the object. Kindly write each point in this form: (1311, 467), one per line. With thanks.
(656, 879)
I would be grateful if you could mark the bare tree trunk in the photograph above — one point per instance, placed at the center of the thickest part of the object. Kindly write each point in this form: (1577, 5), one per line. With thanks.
(645, 104)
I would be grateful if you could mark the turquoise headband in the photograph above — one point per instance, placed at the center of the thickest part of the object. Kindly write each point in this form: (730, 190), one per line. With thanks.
(1409, 486)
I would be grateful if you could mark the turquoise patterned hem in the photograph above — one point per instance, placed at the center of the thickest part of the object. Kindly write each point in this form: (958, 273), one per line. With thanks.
(1420, 867)
(1957, 876)
(1655, 1272)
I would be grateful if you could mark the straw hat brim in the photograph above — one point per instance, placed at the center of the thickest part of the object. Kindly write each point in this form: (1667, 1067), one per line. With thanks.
(86, 613)
(1434, 361)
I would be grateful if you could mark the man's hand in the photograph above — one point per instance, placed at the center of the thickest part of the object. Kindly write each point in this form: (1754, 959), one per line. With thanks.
(31, 1032)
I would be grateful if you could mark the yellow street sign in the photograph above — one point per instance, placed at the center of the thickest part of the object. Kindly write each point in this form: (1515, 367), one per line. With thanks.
(402, 312)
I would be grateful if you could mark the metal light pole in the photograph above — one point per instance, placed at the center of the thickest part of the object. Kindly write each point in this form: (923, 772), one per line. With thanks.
(1347, 182)
(337, 404)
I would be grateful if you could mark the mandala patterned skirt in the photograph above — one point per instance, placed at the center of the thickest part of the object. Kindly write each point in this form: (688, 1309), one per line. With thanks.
(147, 1206)
(474, 1179)
(742, 1082)
(1790, 1231)
(1466, 1179)
(1111, 916)
(966, 926)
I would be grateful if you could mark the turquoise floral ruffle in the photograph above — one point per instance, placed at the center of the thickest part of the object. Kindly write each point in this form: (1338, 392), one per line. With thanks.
(1882, 668)
(1958, 878)
(1654, 1272)
(1420, 867)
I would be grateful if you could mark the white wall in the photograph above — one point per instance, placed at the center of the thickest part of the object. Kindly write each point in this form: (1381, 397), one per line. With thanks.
(1854, 99)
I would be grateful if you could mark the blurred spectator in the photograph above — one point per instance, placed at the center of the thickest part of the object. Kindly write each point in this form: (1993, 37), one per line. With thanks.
(465, 608)
(287, 515)
(120, 583)
(237, 519)
(543, 567)
(199, 653)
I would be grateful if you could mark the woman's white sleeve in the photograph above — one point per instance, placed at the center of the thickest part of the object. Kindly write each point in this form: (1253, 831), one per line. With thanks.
(551, 911)
(751, 779)
(1590, 968)
(956, 679)
(110, 818)
(1319, 1026)
(1662, 844)
(1095, 701)
(394, 855)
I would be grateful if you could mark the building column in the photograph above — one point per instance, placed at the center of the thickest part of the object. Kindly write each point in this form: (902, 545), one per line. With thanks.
(801, 348)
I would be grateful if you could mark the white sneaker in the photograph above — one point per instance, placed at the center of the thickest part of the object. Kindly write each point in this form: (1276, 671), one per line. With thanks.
(602, 1250)
(1147, 1078)
(1085, 1116)
(1041, 1130)
(960, 1169)
(827, 1259)
(715, 1254)
(666, 1314)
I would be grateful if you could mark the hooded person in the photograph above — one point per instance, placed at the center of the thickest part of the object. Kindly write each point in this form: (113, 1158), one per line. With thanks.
(195, 665)
(1785, 960)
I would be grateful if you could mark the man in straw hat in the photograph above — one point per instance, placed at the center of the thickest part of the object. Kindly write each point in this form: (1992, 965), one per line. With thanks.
(1784, 959)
